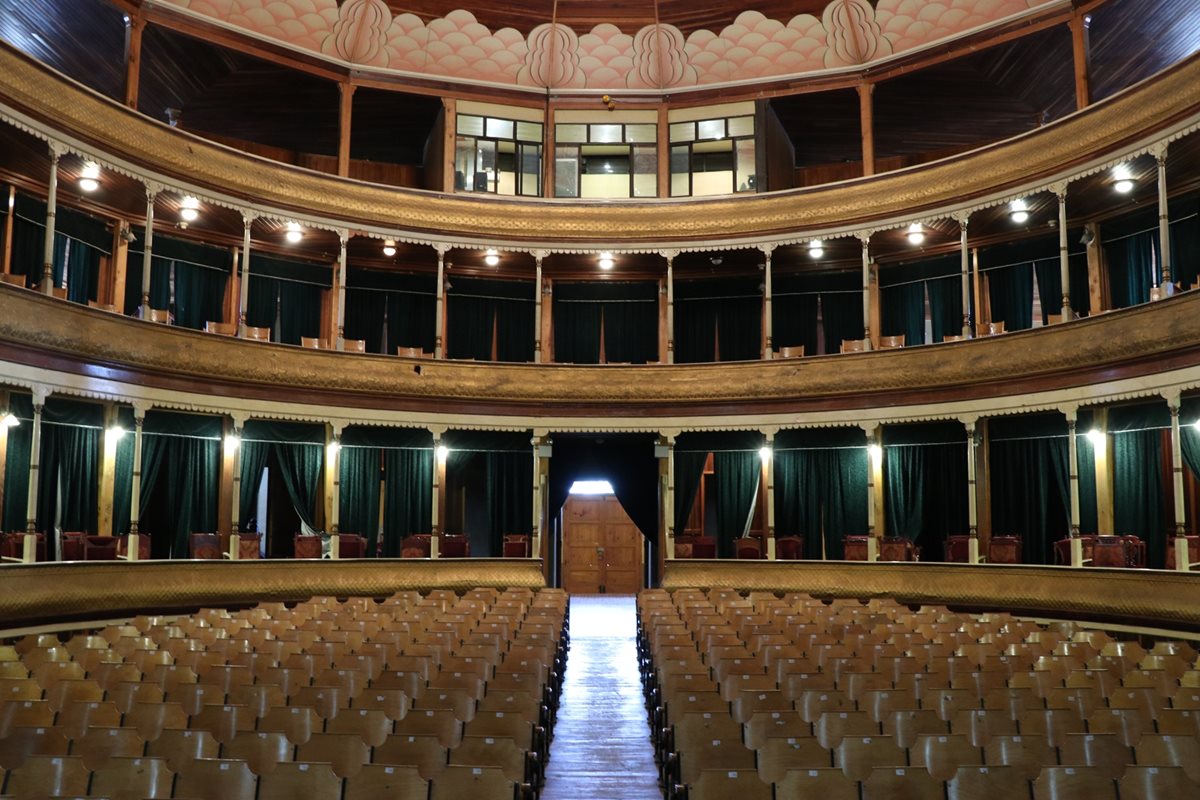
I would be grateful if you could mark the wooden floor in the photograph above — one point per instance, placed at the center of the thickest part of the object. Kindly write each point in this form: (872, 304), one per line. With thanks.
(602, 748)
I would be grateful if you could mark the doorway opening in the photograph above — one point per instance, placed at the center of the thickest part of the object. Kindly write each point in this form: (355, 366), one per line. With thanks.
(601, 547)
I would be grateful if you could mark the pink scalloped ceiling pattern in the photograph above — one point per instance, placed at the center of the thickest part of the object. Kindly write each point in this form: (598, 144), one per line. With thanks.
(849, 33)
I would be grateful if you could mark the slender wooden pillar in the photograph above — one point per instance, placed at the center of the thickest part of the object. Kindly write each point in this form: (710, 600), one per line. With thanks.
(440, 455)
(244, 286)
(1081, 50)
(769, 474)
(1177, 465)
(47, 285)
(148, 250)
(35, 452)
(1097, 271)
(669, 255)
(669, 493)
(1072, 414)
(538, 310)
(229, 452)
(6, 247)
(1064, 258)
(112, 436)
(1164, 222)
(865, 238)
(333, 474)
(875, 524)
(135, 492)
(233, 447)
(768, 345)
(972, 498)
(439, 348)
(340, 319)
(1102, 449)
(542, 454)
(966, 275)
(4, 412)
(866, 112)
(981, 312)
(663, 130)
(345, 117)
(134, 25)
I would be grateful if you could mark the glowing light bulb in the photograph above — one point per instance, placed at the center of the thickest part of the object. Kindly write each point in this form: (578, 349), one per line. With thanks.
(491, 258)
(916, 234)
(294, 232)
(606, 260)
(189, 209)
(389, 248)
(1123, 182)
(1018, 211)
(816, 248)
(89, 177)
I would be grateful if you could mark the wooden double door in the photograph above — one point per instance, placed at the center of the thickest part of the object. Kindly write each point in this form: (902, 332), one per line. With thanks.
(602, 548)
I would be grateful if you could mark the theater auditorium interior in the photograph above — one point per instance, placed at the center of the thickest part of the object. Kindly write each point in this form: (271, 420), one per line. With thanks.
(555, 400)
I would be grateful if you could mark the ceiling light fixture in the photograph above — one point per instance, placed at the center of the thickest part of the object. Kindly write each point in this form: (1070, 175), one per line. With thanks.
(89, 177)
(189, 209)
(606, 260)
(10, 420)
(816, 248)
(491, 258)
(116, 432)
(764, 454)
(294, 232)
(916, 234)
(1123, 182)
(1018, 211)
(389, 247)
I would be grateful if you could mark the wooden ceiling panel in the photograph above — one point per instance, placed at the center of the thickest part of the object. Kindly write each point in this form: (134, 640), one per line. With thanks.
(84, 39)
(391, 126)
(177, 68)
(1133, 39)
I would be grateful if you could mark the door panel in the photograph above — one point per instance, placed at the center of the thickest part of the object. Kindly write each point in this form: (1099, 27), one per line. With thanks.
(602, 548)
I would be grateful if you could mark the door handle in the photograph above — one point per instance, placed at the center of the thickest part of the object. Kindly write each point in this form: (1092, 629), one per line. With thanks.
(599, 551)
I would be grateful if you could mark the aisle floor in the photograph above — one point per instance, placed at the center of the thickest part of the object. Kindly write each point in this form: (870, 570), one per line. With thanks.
(601, 748)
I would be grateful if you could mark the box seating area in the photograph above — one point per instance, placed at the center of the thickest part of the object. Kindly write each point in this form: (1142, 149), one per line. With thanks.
(438, 695)
(760, 696)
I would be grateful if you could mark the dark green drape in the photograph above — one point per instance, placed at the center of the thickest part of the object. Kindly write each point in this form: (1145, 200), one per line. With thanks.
(1077, 274)
(160, 283)
(1185, 240)
(1133, 268)
(69, 461)
(411, 316)
(123, 472)
(1010, 290)
(925, 482)
(627, 312)
(300, 465)
(509, 495)
(1049, 284)
(262, 303)
(1138, 496)
(945, 307)
(16, 471)
(1189, 435)
(1085, 459)
(299, 311)
(718, 320)
(82, 265)
(821, 487)
(199, 295)
(80, 241)
(904, 311)
(1028, 469)
(358, 493)
(689, 469)
(841, 318)
(253, 456)
(475, 307)
(408, 495)
(29, 236)
(738, 475)
(794, 302)
(794, 321)
(504, 462)
(181, 472)
(365, 310)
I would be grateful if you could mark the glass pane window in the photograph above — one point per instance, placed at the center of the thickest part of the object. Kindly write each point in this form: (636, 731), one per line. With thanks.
(741, 126)
(500, 128)
(469, 125)
(710, 129)
(529, 131)
(683, 131)
(746, 168)
(641, 133)
(486, 157)
(566, 171)
(570, 133)
(606, 164)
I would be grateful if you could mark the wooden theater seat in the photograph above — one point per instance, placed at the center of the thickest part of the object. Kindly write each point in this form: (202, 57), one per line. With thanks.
(257, 334)
(12, 280)
(161, 316)
(748, 547)
(205, 546)
(990, 328)
(789, 548)
(415, 546)
(891, 342)
(454, 545)
(853, 345)
(793, 351)
(221, 328)
(854, 548)
(516, 545)
(354, 345)
(1005, 550)
(307, 546)
(895, 548)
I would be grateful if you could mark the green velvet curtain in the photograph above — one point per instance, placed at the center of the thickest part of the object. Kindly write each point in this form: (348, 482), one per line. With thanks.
(904, 311)
(160, 282)
(80, 241)
(1077, 274)
(689, 469)
(841, 316)
(365, 311)
(821, 487)
(199, 295)
(408, 495)
(736, 470)
(1138, 480)
(794, 311)
(1010, 290)
(262, 303)
(16, 471)
(1085, 459)
(300, 465)
(291, 289)
(1185, 240)
(504, 459)
(1048, 273)
(123, 472)
(29, 236)
(299, 311)
(925, 482)
(718, 320)
(945, 306)
(390, 310)
(253, 460)
(361, 474)
(1030, 487)
(1189, 435)
(475, 307)
(181, 472)
(1133, 267)
(509, 495)
(299, 453)
(412, 312)
(69, 465)
(627, 312)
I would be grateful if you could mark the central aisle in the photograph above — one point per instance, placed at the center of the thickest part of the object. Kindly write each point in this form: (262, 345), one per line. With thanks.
(601, 748)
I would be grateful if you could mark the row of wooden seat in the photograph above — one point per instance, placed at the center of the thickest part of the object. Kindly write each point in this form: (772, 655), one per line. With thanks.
(433, 681)
(767, 685)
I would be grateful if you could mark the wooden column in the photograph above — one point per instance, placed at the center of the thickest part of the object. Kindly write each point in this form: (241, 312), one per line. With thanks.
(1164, 222)
(1064, 258)
(135, 492)
(108, 462)
(439, 489)
(538, 311)
(866, 112)
(669, 494)
(1102, 449)
(233, 450)
(7, 233)
(865, 238)
(47, 284)
(244, 286)
(1081, 47)
(966, 275)
(1097, 272)
(768, 346)
(340, 278)
(769, 474)
(981, 311)
(1072, 414)
(35, 452)
(4, 412)
(1177, 465)
(542, 453)
(230, 445)
(449, 142)
(345, 115)
(439, 323)
(664, 150)
(134, 25)
(233, 290)
(333, 483)
(669, 255)
(875, 499)
(972, 498)
(147, 250)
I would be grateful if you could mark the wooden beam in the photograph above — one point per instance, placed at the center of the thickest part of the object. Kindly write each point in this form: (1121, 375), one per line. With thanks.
(6, 246)
(664, 151)
(449, 142)
(4, 401)
(345, 119)
(108, 474)
(548, 152)
(134, 25)
(226, 487)
(1081, 49)
(866, 113)
(1098, 290)
(119, 267)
